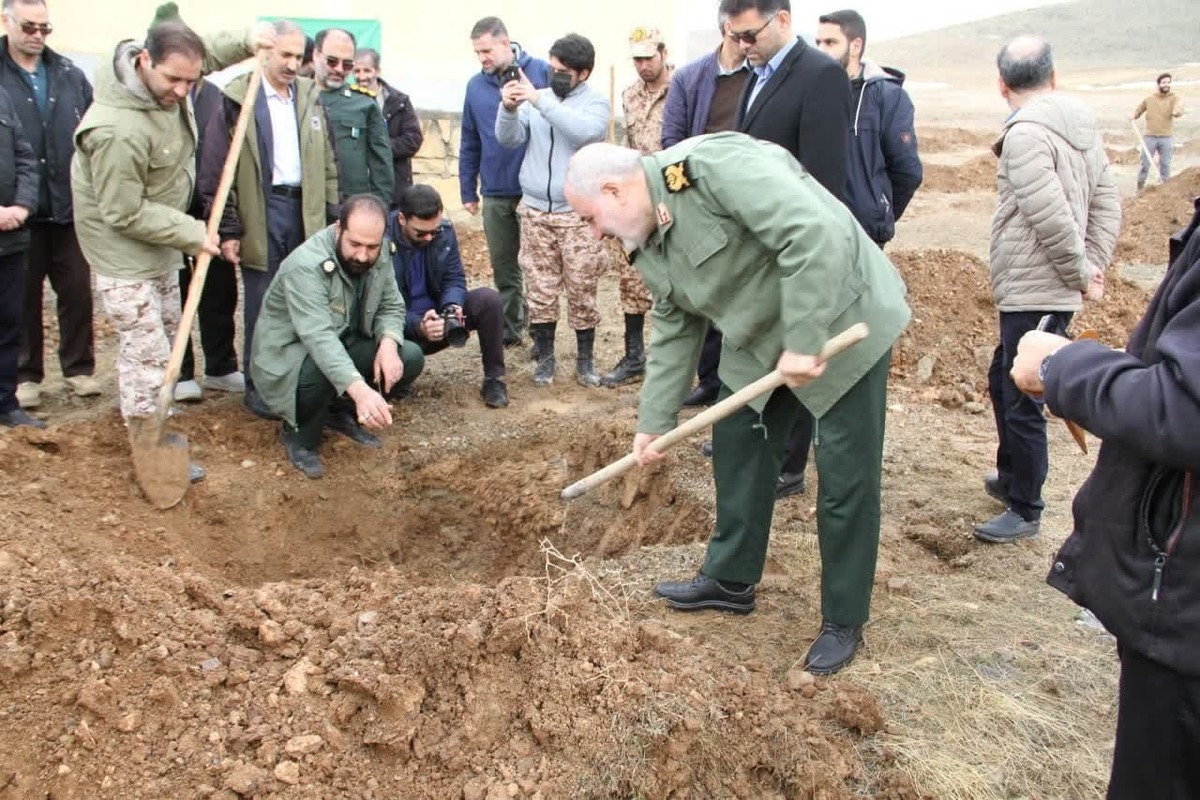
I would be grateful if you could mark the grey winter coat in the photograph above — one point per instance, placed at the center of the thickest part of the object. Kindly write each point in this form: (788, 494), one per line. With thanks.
(1059, 213)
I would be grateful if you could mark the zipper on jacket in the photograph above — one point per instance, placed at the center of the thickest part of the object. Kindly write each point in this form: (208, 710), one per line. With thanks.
(1161, 555)
(550, 174)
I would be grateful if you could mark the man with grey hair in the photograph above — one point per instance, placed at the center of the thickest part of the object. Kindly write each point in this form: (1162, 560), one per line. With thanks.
(399, 116)
(734, 231)
(1053, 233)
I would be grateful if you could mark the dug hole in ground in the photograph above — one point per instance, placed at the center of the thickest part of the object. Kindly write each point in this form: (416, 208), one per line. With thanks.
(431, 621)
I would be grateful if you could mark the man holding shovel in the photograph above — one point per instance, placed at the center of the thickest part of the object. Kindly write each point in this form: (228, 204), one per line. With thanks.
(132, 178)
(730, 230)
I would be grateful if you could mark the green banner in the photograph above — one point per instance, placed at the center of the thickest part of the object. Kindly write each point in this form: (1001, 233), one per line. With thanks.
(366, 32)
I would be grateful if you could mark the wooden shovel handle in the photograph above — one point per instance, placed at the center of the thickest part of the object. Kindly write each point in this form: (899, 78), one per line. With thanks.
(767, 383)
(166, 395)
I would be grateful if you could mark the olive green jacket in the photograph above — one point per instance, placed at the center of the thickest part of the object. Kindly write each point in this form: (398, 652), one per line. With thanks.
(749, 240)
(245, 217)
(360, 136)
(134, 169)
(307, 310)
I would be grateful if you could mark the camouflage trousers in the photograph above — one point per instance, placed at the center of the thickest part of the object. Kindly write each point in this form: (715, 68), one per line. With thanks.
(557, 251)
(635, 297)
(146, 315)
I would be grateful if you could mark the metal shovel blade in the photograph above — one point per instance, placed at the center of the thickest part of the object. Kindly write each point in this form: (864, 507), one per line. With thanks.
(160, 462)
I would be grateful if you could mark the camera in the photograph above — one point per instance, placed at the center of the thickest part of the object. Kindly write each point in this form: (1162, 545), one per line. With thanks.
(510, 73)
(456, 332)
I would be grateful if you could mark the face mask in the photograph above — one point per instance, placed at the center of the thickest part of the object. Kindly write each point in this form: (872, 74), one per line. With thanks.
(560, 83)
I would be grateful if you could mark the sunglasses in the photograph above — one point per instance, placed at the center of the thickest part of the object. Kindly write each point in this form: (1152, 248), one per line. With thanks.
(31, 28)
(751, 37)
(333, 61)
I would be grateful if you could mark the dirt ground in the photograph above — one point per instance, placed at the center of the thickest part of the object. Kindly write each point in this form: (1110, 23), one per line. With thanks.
(431, 621)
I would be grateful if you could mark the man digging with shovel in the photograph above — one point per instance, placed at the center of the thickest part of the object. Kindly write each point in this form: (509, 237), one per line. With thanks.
(132, 179)
(730, 230)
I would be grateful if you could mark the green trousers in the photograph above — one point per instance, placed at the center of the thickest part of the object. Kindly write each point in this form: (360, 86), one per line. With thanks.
(747, 452)
(502, 227)
(315, 394)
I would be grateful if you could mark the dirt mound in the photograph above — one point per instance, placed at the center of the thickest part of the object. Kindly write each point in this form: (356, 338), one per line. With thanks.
(472, 246)
(976, 175)
(940, 140)
(1150, 218)
(953, 329)
(1126, 157)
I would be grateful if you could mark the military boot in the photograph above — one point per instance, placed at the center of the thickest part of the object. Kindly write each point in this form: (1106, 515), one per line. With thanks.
(542, 334)
(633, 364)
(585, 361)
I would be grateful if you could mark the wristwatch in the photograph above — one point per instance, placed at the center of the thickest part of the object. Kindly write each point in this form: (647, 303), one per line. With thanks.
(1042, 368)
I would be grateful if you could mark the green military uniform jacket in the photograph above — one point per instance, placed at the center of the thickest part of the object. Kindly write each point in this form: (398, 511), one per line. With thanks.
(360, 135)
(134, 168)
(247, 203)
(748, 239)
(307, 310)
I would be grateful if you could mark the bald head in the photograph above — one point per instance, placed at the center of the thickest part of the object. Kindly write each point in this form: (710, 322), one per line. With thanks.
(1026, 64)
(606, 186)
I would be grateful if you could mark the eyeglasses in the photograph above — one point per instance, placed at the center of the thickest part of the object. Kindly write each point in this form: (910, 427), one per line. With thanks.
(417, 233)
(333, 61)
(31, 28)
(751, 37)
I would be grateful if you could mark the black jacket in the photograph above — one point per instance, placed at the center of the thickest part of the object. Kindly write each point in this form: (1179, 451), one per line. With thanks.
(18, 175)
(805, 109)
(884, 170)
(52, 141)
(404, 131)
(1137, 525)
(444, 277)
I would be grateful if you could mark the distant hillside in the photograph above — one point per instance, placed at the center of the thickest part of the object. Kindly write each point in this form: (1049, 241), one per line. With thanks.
(1085, 34)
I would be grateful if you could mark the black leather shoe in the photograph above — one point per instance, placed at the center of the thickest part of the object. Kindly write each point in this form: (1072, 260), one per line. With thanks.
(706, 449)
(347, 425)
(19, 418)
(788, 484)
(494, 393)
(833, 649)
(995, 488)
(257, 406)
(701, 396)
(303, 459)
(1007, 527)
(705, 592)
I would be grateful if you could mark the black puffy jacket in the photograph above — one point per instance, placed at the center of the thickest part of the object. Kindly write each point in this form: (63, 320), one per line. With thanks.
(18, 174)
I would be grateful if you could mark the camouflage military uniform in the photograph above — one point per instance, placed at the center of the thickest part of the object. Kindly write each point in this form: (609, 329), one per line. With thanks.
(146, 315)
(643, 132)
(557, 249)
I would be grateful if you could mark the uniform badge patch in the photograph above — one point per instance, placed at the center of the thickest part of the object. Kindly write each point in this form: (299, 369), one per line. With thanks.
(316, 123)
(664, 216)
(677, 176)
(329, 267)
(906, 137)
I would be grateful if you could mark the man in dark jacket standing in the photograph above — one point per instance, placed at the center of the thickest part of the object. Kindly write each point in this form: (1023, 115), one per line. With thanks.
(1132, 558)
(403, 125)
(50, 95)
(485, 167)
(884, 169)
(18, 199)
(429, 272)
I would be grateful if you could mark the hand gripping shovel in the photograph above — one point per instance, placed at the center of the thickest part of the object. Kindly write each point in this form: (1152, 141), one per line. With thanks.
(160, 457)
(768, 383)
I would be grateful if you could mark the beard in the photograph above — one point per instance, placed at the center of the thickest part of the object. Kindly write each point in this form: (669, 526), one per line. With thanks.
(1164, 89)
(351, 265)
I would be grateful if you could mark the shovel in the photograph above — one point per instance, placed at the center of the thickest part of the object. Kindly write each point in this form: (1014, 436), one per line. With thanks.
(767, 383)
(160, 457)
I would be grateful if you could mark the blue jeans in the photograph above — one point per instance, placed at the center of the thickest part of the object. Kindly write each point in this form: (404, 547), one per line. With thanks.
(1165, 147)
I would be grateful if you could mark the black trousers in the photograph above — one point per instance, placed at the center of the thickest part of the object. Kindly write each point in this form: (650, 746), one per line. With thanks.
(12, 281)
(54, 253)
(710, 359)
(483, 311)
(1022, 457)
(218, 302)
(285, 232)
(1158, 732)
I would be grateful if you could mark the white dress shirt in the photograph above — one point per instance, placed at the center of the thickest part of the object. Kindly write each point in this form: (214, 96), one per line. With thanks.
(285, 134)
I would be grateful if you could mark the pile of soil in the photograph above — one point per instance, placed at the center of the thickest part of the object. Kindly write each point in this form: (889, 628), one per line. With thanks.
(1151, 217)
(954, 322)
(941, 140)
(1126, 157)
(975, 175)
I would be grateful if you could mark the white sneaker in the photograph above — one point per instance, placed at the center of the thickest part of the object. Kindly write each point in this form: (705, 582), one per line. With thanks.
(29, 394)
(187, 392)
(234, 382)
(84, 385)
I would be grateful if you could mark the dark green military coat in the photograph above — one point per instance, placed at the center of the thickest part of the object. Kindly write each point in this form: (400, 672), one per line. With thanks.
(748, 239)
(364, 151)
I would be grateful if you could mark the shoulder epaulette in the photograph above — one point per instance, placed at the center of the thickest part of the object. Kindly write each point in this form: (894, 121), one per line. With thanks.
(364, 90)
